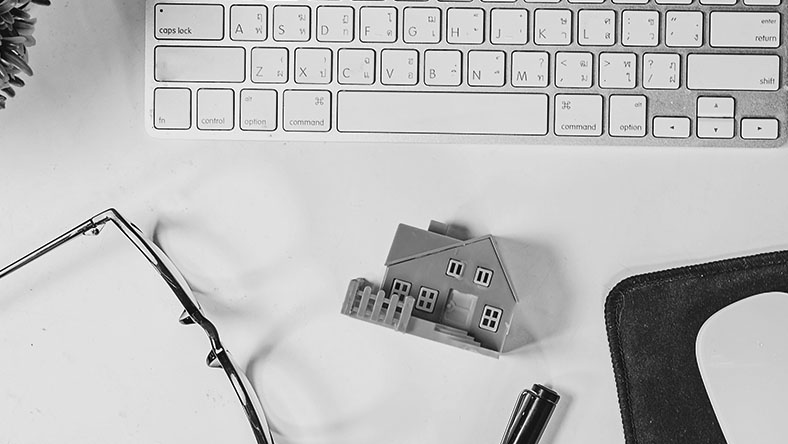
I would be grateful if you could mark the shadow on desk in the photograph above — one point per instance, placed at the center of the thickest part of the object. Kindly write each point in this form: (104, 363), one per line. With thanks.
(545, 304)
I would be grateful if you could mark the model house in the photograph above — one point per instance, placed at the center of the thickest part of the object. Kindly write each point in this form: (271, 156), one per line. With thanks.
(441, 287)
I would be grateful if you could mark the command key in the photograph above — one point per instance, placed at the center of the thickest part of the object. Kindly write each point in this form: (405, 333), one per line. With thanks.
(307, 110)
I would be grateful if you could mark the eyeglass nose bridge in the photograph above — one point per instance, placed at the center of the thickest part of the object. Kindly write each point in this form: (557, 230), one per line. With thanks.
(212, 360)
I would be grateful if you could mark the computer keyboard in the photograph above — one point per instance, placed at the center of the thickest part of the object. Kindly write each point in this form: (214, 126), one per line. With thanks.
(589, 72)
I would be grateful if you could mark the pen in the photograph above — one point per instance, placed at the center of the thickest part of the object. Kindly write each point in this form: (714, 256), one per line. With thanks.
(531, 413)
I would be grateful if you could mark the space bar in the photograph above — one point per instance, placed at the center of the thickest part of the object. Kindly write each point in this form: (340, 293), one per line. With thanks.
(441, 113)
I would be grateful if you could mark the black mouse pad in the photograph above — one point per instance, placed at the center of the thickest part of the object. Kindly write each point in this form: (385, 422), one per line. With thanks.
(653, 322)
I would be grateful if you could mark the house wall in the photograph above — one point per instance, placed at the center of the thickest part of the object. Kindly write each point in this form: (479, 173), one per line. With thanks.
(430, 271)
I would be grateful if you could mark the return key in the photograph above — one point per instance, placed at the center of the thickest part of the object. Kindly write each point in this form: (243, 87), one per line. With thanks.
(745, 29)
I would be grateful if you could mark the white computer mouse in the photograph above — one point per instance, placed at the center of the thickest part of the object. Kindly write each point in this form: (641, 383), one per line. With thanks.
(742, 352)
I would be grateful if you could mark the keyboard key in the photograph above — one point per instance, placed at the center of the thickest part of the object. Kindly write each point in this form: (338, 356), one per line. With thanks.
(684, 29)
(465, 26)
(724, 72)
(671, 127)
(745, 29)
(307, 110)
(661, 71)
(442, 67)
(422, 25)
(356, 66)
(258, 110)
(617, 70)
(762, 2)
(715, 128)
(189, 22)
(292, 23)
(486, 68)
(760, 129)
(313, 65)
(442, 113)
(400, 67)
(215, 109)
(378, 24)
(597, 27)
(553, 27)
(188, 64)
(172, 108)
(716, 107)
(248, 22)
(509, 26)
(335, 23)
(640, 28)
(718, 2)
(578, 115)
(573, 69)
(530, 69)
(269, 65)
(627, 116)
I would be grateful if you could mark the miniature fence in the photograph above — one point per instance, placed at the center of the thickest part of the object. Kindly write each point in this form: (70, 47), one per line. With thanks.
(391, 311)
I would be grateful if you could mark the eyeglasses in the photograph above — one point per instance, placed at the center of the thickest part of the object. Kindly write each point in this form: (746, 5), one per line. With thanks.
(218, 357)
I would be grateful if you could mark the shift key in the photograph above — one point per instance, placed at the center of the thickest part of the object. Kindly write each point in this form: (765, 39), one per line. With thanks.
(175, 21)
(733, 72)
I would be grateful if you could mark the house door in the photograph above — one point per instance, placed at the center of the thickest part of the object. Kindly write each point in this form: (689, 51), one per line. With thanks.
(459, 310)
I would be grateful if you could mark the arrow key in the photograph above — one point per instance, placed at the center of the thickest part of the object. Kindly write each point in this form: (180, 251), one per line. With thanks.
(760, 129)
(671, 127)
(715, 128)
(717, 107)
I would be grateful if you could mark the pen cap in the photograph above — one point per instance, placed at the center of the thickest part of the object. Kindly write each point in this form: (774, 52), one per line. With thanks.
(530, 416)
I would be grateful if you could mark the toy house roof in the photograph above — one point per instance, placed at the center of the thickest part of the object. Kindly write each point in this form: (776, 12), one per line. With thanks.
(411, 243)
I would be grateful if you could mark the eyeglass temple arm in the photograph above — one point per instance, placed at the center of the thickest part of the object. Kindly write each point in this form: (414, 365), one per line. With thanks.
(81, 229)
(93, 227)
(90, 227)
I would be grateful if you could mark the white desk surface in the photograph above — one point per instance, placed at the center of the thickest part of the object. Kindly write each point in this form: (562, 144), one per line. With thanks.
(272, 233)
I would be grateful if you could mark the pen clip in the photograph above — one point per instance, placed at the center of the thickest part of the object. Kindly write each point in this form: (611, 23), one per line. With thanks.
(514, 424)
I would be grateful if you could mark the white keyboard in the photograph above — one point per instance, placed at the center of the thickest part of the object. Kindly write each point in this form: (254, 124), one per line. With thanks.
(620, 72)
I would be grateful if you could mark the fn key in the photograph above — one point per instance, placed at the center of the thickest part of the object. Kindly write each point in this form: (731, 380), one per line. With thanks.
(172, 108)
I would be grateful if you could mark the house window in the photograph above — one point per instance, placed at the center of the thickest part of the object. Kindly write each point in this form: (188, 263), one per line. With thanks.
(400, 287)
(491, 317)
(455, 268)
(426, 299)
(483, 277)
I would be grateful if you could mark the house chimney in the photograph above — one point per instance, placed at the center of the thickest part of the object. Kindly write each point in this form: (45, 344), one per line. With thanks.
(449, 230)
(438, 228)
